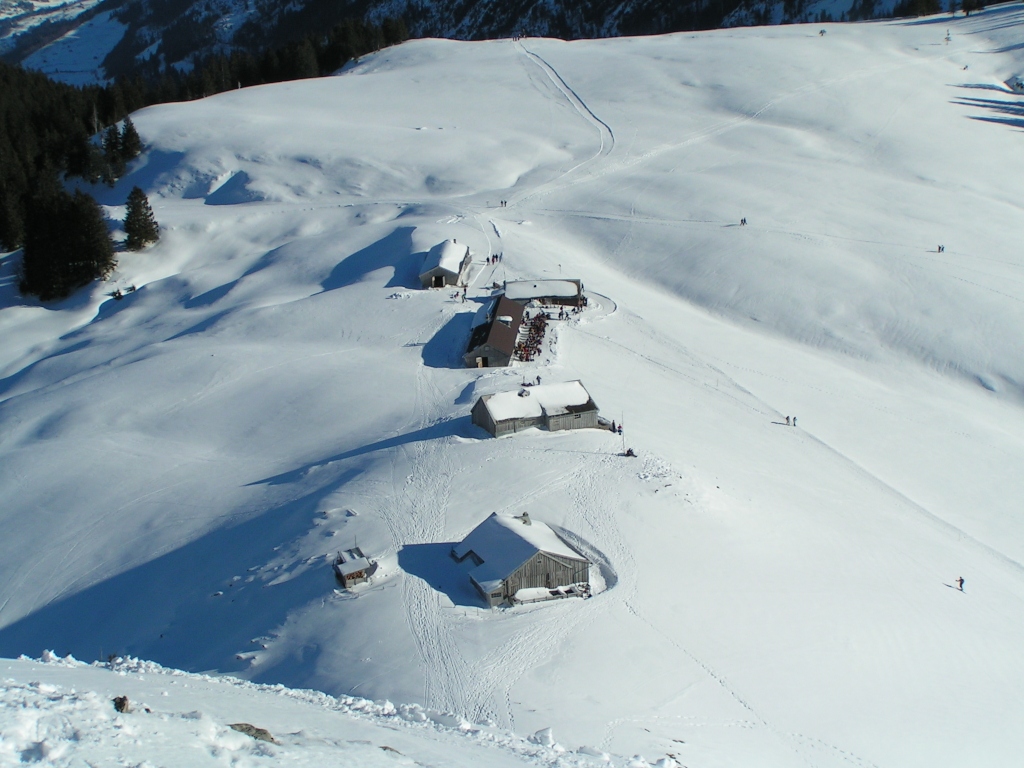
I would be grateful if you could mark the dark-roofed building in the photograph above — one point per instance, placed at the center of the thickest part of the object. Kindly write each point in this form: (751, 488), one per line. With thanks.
(519, 556)
(493, 339)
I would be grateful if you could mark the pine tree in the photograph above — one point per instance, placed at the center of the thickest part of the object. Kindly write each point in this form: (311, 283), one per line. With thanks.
(112, 155)
(131, 142)
(139, 223)
(66, 244)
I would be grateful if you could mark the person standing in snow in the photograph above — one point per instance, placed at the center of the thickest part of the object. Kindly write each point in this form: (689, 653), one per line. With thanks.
(960, 583)
(794, 421)
(787, 421)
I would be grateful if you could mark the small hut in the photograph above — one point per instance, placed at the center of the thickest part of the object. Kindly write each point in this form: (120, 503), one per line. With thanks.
(566, 405)
(352, 567)
(517, 559)
(445, 264)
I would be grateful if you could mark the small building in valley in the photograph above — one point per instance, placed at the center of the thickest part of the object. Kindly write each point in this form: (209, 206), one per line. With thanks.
(516, 555)
(492, 342)
(567, 293)
(566, 405)
(446, 263)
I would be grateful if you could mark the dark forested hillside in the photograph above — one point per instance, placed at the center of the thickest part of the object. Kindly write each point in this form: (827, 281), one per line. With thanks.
(50, 130)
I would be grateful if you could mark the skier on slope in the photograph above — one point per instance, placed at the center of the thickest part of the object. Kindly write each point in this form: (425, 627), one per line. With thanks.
(960, 583)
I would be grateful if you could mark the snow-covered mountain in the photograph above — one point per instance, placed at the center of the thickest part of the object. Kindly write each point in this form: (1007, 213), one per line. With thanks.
(112, 39)
(180, 467)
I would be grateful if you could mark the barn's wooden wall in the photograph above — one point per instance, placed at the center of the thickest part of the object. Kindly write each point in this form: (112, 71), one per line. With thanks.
(587, 419)
(547, 570)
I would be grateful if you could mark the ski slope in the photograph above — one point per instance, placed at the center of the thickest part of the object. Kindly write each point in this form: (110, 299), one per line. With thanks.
(180, 467)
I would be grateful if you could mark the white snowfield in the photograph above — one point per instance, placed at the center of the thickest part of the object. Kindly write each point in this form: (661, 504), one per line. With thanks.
(60, 712)
(179, 468)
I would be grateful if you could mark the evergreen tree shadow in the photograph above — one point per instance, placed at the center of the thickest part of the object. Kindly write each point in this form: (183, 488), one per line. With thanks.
(153, 165)
(1009, 113)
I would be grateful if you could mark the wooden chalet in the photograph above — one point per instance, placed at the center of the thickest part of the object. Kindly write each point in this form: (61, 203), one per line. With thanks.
(565, 405)
(517, 559)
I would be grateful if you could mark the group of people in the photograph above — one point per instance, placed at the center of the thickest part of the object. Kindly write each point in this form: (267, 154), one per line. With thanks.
(504, 203)
(791, 423)
(529, 348)
(495, 258)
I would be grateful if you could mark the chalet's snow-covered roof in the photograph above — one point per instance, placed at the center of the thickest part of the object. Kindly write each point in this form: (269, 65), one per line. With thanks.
(352, 566)
(522, 290)
(504, 543)
(532, 402)
(447, 255)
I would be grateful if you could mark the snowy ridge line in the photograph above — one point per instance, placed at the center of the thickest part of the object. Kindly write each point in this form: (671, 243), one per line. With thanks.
(412, 716)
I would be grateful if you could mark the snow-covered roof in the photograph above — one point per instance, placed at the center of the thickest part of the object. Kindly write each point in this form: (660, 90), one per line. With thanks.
(504, 543)
(522, 290)
(352, 566)
(531, 402)
(447, 255)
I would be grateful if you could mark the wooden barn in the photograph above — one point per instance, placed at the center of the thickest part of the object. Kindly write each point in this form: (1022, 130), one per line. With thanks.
(353, 567)
(493, 338)
(567, 293)
(516, 555)
(566, 405)
(446, 263)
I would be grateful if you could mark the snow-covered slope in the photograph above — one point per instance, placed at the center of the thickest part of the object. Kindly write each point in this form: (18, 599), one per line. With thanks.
(60, 712)
(180, 467)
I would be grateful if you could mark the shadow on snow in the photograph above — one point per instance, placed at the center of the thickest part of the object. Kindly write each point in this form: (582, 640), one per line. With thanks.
(434, 564)
(393, 251)
(448, 428)
(167, 609)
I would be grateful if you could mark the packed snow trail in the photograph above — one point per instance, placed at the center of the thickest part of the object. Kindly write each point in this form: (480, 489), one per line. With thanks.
(605, 133)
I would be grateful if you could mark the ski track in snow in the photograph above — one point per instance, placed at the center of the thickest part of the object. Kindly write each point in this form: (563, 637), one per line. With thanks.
(605, 133)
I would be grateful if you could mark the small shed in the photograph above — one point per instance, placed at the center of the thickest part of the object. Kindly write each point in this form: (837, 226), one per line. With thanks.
(446, 263)
(492, 341)
(513, 553)
(353, 567)
(566, 405)
(567, 293)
